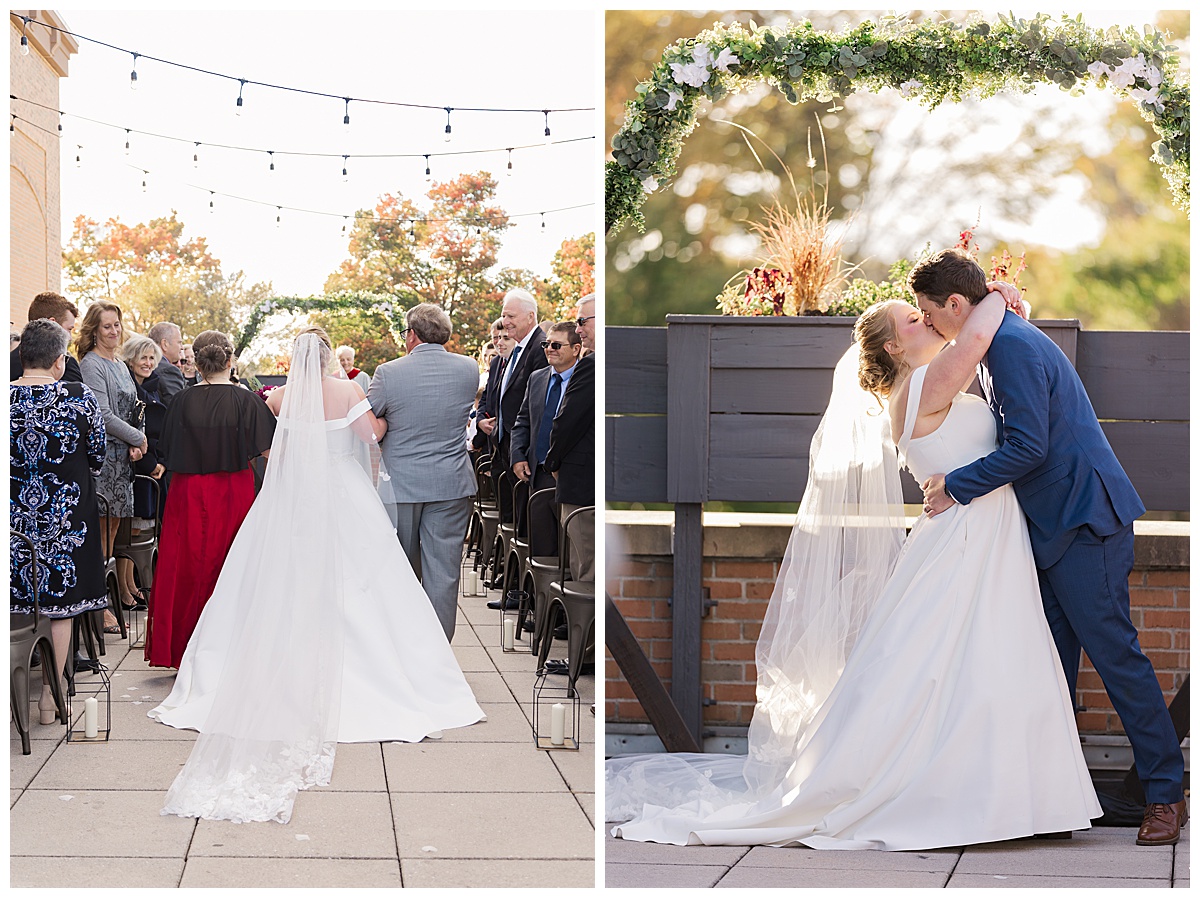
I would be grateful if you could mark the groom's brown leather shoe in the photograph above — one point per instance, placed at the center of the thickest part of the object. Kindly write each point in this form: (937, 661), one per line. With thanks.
(1161, 823)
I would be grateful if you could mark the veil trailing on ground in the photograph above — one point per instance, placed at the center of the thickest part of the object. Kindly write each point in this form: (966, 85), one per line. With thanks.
(273, 726)
(847, 536)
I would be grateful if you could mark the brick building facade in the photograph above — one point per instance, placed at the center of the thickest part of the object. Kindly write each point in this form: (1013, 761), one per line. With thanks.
(35, 231)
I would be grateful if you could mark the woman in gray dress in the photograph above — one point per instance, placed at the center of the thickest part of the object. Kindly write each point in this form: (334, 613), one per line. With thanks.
(100, 338)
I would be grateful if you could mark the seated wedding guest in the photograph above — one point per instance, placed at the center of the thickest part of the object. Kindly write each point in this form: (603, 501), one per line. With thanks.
(100, 339)
(572, 453)
(143, 357)
(345, 357)
(56, 449)
(543, 396)
(486, 418)
(14, 337)
(169, 340)
(55, 306)
(210, 434)
(487, 352)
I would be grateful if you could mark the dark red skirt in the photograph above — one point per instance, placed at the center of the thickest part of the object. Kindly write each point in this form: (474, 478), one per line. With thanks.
(203, 514)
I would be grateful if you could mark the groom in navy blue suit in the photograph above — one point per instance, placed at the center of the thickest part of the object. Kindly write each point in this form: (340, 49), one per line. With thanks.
(1080, 507)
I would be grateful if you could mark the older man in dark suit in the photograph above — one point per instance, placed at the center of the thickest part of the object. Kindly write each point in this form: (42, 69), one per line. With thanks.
(519, 314)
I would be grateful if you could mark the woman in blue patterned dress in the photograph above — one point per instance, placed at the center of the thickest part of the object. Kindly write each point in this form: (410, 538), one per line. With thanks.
(56, 446)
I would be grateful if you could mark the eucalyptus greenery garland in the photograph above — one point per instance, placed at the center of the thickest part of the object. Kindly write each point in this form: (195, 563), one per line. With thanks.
(929, 62)
(393, 306)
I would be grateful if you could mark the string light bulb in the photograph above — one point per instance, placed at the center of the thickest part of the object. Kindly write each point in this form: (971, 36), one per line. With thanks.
(345, 168)
(60, 115)
(346, 117)
(24, 36)
(546, 113)
(428, 176)
(509, 172)
(211, 194)
(196, 156)
(278, 215)
(448, 111)
(78, 151)
(345, 221)
(133, 74)
(126, 141)
(412, 228)
(144, 173)
(543, 222)
(271, 156)
(12, 124)
(241, 86)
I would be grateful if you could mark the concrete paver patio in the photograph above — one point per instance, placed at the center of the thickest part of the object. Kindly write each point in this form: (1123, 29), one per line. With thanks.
(1102, 857)
(480, 807)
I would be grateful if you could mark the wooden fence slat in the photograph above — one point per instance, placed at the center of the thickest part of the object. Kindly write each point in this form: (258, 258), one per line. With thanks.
(635, 370)
(771, 390)
(688, 412)
(1155, 456)
(788, 347)
(1138, 375)
(687, 609)
(636, 465)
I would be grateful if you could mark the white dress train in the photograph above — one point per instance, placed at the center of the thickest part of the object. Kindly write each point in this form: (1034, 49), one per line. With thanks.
(396, 679)
(950, 723)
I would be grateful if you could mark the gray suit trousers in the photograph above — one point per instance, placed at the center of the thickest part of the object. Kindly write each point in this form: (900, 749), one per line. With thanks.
(432, 535)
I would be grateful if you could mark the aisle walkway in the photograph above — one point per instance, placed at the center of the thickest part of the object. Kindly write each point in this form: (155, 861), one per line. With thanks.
(481, 807)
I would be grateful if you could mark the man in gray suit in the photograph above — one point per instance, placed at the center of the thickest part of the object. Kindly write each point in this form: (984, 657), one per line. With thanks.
(170, 378)
(426, 397)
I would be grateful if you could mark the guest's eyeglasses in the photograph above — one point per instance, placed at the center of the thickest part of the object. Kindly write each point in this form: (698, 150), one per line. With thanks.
(582, 321)
(405, 332)
(554, 344)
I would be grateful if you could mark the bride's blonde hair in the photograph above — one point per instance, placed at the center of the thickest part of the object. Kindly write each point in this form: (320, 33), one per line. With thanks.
(878, 370)
(326, 350)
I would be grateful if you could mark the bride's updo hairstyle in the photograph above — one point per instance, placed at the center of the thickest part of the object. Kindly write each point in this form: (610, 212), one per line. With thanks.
(326, 345)
(877, 368)
(213, 351)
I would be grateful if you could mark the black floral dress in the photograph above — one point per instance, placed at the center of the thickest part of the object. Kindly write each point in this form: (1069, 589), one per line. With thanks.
(56, 447)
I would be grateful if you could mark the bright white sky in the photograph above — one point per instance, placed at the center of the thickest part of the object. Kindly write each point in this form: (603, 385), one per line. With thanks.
(469, 59)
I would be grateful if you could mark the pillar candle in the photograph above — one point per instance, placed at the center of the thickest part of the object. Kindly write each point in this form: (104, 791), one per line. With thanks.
(510, 629)
(558, 720)
(91, 717)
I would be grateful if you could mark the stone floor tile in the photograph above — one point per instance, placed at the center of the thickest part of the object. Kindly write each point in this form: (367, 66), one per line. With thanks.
(489, 686)
(501, 874)
(337, 824)
(469, 767)
(790, 877)
(501, 726)
(13, 795)
(587, 801)
(491, 825)
(578, 768)
(650, 876)
(95, 872)
(129, 721)
(273, 872)
(37, 733)
(357, 767)
(473, 657)
(115, 765)
(42, 824)
(1038, 860)
(940, 861)
(1020, 881)
(618, 851)
(23, 768)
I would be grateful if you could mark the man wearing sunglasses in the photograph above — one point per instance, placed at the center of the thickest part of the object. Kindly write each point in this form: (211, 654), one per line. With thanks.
(543, 396)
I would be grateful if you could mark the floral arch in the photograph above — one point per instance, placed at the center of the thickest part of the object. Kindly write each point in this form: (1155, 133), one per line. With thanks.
(929, 62)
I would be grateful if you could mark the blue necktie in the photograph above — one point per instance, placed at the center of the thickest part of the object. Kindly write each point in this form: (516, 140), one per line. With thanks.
(512, 361)
(543, 441)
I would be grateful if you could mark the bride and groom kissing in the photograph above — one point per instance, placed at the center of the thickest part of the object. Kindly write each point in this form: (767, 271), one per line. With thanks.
(916, 693)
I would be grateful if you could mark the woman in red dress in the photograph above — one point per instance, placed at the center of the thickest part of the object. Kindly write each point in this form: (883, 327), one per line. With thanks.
(211, 432)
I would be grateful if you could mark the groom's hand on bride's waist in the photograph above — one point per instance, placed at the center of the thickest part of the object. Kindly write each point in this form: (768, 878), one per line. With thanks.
(937, 499)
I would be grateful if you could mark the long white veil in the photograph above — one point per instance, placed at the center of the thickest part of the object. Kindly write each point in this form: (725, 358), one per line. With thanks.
(847, 535)
(273, 726)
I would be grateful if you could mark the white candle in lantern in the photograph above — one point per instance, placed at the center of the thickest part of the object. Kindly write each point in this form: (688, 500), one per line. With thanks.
(473, 581)
(510, 630)
(558, 723)
(91, 717)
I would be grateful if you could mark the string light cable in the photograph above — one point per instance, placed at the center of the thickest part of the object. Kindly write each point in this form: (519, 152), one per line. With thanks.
(242, 82)
(198, 144)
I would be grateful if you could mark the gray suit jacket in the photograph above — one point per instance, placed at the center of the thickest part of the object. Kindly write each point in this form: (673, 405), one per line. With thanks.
(426, 397)
(170, 380)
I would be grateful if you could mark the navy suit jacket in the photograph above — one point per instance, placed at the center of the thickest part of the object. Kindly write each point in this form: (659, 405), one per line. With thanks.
(1051, 450)
(529, 419)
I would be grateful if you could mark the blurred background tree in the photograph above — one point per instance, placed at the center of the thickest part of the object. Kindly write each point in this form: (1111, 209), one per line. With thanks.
(1066, 180)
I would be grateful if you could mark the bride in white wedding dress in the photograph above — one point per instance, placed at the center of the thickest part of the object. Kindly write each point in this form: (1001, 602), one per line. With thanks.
(909, 692)
(318, 631)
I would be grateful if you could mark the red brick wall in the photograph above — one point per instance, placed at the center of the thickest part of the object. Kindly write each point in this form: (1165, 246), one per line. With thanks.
(640, 586)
